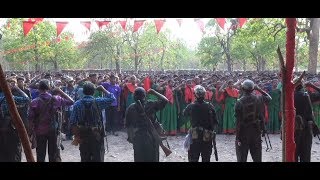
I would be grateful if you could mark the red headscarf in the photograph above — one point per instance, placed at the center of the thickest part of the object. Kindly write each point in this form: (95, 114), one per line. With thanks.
(169, 94)
(188, 94)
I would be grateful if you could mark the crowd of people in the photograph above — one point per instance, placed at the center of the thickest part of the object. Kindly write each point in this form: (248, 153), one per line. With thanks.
(112, 94)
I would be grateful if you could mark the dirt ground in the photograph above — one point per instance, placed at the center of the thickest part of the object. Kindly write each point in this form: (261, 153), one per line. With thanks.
(120, 150)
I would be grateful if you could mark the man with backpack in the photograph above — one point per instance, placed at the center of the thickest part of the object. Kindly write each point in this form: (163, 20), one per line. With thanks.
(44, 118)
(10, 145)
(87, 125)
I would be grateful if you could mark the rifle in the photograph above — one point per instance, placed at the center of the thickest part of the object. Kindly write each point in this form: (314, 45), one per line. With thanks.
(104, 127)
(59, 138)
(214, 145)
(154, 132)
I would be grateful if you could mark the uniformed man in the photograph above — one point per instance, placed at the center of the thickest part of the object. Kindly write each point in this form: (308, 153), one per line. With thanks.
(249, 122)
(305, 125)
(203, 122)
(145, 145)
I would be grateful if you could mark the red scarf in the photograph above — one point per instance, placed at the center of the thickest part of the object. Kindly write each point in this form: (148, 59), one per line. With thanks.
(146, 83)
(208, 95)
(169, 94)
(232, 92)
(188, 94)
(131, 87)
(219, 96)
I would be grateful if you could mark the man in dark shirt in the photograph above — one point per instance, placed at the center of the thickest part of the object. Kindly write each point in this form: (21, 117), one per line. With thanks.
(145, 146)
(10, 145)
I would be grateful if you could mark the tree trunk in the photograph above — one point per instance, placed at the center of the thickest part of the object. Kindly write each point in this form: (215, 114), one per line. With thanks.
(55, 65)
(244, 65)
(136, 63)
(263, 64)
(296, 55)
(313, 45)
(117, 60)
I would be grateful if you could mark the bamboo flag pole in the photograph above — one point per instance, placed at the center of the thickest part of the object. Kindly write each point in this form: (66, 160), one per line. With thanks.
(16, 119)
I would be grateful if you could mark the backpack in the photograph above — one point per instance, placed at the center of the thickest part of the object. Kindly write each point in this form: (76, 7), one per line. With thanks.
(47, 108)
(91, 116)
(5, 118)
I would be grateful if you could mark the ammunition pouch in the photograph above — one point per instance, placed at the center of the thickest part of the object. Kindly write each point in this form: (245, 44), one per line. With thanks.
(197, 132)
(87, 132)
(131, 133)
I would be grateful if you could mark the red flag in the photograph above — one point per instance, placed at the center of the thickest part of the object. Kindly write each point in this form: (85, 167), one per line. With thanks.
(123, 24)
(146, 83)
(159, 23)
(102, 23)
(242, 21)
(87, 24)
(179, 22)
(221, 22)
(60, 27)
(27, 26)
(8, 25)
(200, 24)
(137, 24)
(36, 20)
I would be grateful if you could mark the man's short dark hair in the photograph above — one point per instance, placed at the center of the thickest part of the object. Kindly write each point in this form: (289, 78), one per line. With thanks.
(20, 78)
(92, 74)
(44, 85)
(88, 88)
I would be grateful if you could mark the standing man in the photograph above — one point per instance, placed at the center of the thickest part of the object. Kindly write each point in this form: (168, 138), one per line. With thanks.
(10, 145)
(112, 113)
(305, 125)
(70, 90)
(44, 122)
(203, 122)
(86, 123)
(249, 122)
(145, 146)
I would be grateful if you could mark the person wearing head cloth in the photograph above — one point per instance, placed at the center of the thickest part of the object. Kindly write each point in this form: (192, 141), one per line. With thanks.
(274, 123)
(231, 93)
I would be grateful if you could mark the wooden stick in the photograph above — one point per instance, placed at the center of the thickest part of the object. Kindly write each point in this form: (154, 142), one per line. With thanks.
(16, 119)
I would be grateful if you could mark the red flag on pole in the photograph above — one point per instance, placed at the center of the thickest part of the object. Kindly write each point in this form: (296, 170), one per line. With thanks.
(159, 23)
(200, 24)
(137, 24)
(221, 22)
(242, 21)
(123, 24)
(87, 24)
(179, 22)
(102, 23)
(60, 27)
(27, 26)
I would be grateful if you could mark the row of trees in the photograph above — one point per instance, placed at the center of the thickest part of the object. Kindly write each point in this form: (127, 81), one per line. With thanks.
(252, 47)
(110, 48)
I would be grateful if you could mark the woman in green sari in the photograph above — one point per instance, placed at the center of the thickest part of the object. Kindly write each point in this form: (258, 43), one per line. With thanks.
(169, 115)
(231, 94)
(274, 123)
